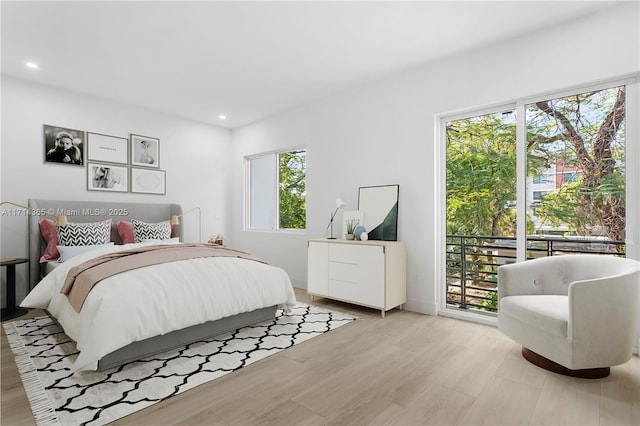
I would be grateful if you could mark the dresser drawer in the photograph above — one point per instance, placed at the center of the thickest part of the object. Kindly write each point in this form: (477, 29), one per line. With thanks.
(364, 293)
(358, 275)
(343, 271)
(353, 253)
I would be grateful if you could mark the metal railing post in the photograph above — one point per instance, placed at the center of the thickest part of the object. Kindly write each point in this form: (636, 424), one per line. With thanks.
(463, 273)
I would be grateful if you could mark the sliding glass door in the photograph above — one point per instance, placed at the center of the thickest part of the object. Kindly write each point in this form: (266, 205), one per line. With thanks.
(541, 177)
(480, 206)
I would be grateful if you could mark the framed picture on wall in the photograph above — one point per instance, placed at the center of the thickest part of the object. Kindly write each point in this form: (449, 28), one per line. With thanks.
(145, 151)
(146, 181)
(107, 177)
(105, 148)
(63, 145)
(380, 207)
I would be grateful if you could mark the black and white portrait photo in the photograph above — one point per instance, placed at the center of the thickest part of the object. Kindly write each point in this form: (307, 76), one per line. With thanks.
(107, 177)
(62, 145)
(145, 151)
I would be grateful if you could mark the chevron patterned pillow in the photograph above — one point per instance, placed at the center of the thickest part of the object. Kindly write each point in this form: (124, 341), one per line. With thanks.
(151, 231)
(84, 234)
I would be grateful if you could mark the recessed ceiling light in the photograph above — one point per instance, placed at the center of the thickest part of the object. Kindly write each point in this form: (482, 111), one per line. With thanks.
(32, 65)
(222, 117)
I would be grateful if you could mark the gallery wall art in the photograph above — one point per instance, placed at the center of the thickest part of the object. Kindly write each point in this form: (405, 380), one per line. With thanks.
(114, 163)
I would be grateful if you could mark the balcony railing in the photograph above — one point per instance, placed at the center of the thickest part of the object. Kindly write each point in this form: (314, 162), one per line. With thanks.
(473, 261)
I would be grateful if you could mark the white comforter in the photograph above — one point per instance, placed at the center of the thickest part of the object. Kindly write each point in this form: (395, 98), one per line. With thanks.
(157, 299)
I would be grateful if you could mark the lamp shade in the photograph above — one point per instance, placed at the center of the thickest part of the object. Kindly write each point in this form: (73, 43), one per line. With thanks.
(339, 204)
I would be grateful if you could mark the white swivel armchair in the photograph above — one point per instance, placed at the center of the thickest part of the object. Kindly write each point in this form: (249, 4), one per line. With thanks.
(573, 314)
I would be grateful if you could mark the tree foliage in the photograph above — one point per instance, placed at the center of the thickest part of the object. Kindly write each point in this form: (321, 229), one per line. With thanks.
(293, 189)
(585, 131)
(481, 176)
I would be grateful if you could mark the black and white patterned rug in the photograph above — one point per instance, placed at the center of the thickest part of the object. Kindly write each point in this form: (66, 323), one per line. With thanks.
(44, 355)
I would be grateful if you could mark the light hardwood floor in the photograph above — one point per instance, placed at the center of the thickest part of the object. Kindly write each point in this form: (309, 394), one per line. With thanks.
(404, 369)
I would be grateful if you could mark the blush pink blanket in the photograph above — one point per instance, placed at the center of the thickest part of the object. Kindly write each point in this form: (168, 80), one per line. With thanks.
(82, 278)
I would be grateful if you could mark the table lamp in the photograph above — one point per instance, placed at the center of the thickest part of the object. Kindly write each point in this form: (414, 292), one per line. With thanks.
(339, 204)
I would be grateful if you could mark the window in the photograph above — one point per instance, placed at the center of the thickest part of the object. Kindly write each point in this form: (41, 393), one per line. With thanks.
(276, 190)
(562, 158)
(583, 134)
(539, 195)
(545, 179)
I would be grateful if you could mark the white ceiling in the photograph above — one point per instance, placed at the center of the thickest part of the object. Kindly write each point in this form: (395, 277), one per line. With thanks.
(249, 60)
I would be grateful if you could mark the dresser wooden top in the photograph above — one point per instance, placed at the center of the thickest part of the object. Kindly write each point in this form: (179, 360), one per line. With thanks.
(357, 242)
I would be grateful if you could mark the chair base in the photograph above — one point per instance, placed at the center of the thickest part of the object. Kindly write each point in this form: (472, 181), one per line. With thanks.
(547, 364)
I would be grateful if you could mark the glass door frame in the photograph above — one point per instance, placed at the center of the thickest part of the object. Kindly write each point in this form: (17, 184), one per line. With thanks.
(632, 184)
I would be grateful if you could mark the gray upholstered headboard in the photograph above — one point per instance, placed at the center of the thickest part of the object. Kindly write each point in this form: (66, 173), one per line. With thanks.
(92, 211)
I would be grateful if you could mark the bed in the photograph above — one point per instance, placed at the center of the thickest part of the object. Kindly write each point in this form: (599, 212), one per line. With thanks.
(165, 306)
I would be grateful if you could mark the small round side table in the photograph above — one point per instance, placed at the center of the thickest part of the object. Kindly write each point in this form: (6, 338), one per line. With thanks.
(11, 311)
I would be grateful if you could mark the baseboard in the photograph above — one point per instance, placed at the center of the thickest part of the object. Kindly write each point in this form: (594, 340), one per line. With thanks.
(421, 308)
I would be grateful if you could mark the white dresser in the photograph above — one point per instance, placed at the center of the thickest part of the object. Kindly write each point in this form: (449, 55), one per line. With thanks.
(367, 273)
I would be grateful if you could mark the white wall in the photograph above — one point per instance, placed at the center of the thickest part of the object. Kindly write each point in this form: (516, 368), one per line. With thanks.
(193, 154)
(383, 133)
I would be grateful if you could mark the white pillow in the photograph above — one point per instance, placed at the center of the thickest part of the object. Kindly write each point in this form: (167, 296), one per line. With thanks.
(67, 252)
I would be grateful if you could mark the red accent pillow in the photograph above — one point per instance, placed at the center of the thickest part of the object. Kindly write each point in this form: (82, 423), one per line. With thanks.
(125, 230)
(50, 235)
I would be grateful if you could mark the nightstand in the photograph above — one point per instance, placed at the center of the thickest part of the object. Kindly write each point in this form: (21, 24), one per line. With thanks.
(11, 311)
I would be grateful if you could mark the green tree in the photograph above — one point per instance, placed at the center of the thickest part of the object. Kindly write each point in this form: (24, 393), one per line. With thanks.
(585, 131)
(481, 176)
(481, 194)
(292, 170)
